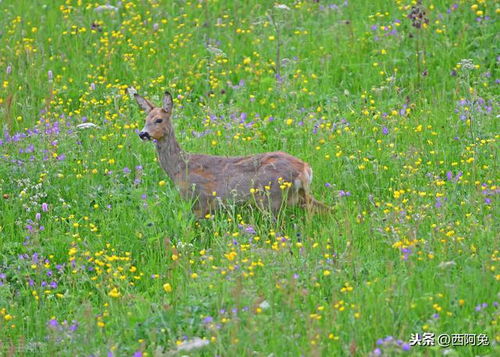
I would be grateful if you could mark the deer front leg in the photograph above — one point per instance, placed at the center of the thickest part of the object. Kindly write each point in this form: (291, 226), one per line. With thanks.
(204, 206)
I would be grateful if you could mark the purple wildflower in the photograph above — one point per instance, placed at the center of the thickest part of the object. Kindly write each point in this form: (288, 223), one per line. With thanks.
(74, 326)
(249, 229)
(343, 193)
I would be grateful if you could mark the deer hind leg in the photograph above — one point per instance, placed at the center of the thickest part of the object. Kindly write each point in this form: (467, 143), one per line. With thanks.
(285, 196)
(274, 200)
(306, 200)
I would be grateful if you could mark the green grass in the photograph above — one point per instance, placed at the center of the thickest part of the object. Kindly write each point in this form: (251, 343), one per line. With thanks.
(403, 146)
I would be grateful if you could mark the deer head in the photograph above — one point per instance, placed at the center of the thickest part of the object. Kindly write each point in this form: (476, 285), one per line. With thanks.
(158, 123)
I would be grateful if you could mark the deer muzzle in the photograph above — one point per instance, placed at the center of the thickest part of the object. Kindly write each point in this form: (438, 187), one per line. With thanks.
(144, 135)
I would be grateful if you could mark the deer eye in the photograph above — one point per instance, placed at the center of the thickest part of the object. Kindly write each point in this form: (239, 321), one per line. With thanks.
(158, 120)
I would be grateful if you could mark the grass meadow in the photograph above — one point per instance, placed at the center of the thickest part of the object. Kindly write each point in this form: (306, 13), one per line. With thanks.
(394, 104)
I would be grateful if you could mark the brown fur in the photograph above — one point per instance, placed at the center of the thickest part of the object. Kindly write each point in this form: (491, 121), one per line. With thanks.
(199, 176)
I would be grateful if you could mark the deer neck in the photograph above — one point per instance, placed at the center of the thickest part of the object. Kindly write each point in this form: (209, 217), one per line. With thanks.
(172, 158)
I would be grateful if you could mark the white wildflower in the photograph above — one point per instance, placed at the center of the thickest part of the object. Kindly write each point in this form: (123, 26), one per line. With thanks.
(107, 7)
(444, 265)
(282, 7)
(86, 126)
(264, 305)
(131, 91)
(192, 344)
(467, 64)
(216, 51)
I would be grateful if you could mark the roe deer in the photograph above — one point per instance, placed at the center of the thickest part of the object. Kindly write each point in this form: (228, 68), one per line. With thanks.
(267, 180)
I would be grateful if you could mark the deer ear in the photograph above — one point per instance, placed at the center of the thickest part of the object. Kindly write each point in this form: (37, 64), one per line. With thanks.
(143, 103)
(168, 103)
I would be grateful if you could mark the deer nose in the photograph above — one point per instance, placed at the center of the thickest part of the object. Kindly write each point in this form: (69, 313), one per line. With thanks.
(144, 135)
